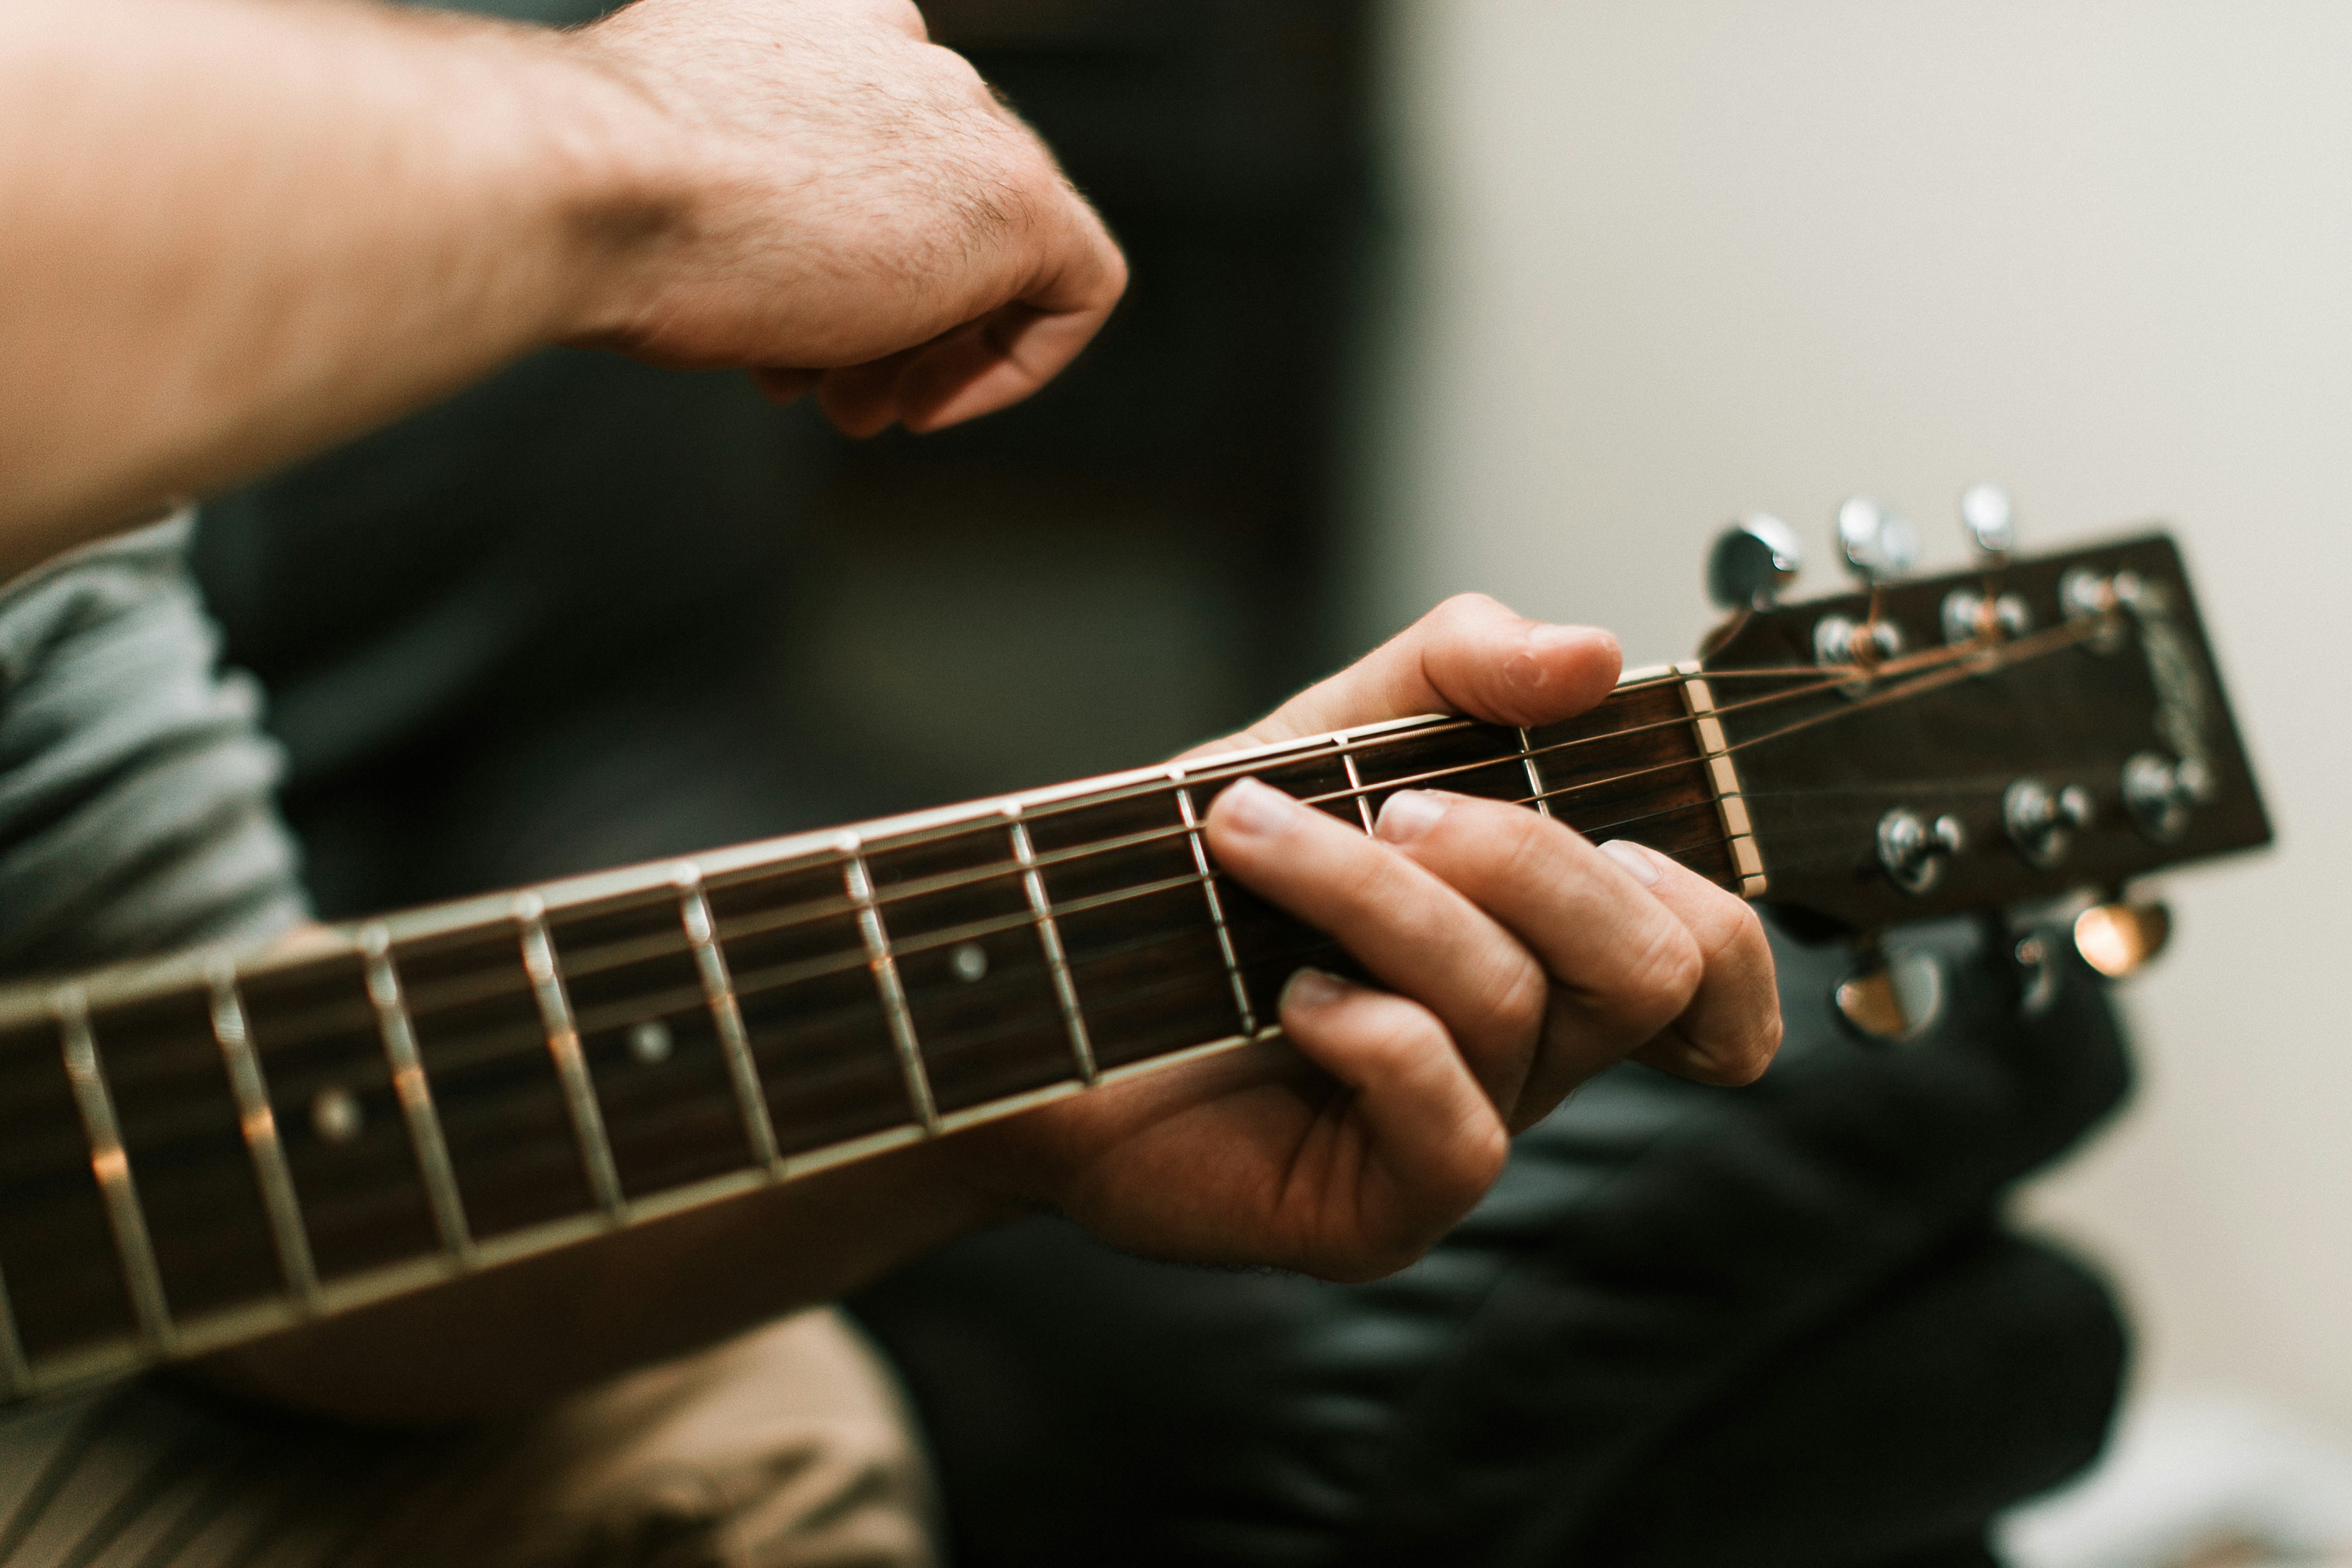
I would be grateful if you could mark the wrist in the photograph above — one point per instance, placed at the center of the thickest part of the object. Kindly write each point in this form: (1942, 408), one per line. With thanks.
(619, 175)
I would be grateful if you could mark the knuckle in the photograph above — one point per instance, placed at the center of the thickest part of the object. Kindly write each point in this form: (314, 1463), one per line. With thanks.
(1741, 928)
(1461, 606)
(1456, 614)
(1481, 1153)
(1399, 1033)
(1520, 997)
(1663, 975)
(1374, 878)
(1739, 1053)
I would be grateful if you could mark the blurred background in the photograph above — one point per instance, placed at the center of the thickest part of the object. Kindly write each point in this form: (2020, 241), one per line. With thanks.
(1431, 295)
(1661, 264)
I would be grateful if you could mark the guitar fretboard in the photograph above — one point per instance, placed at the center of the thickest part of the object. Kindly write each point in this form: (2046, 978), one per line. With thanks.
(201, 1151)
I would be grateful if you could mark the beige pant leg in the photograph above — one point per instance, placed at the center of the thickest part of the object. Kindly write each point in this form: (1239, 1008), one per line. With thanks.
(788, 1447)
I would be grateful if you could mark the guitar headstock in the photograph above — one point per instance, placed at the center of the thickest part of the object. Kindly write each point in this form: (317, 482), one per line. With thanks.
(2024, 730)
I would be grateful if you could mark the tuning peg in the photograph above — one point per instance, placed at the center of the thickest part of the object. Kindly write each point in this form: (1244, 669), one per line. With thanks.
(1989, 520)
(1878, 545)
(2118, 939)
(1752, 562)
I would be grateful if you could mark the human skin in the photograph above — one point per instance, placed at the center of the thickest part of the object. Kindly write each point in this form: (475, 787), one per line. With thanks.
(240, 230)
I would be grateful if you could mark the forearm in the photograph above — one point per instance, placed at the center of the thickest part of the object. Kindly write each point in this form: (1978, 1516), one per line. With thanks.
(516, 1336)
(188, 304)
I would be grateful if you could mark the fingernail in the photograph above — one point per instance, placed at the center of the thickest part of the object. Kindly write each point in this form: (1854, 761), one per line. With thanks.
(1408, 814)
(1313, 989)
(1647, 864)
(1258, 808)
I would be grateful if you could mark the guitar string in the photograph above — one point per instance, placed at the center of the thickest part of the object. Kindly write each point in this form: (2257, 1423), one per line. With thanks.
(426, 1000)
(1001, 870)
(1962, 656)
(1316, 943)
(1822, 677)
(488, 1175)
(814, 911)
(827, 908)
(430, 1000)
(1908, 690)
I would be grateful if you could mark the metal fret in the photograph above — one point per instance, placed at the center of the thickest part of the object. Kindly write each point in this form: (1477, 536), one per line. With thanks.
(1535, 779)
(1723, 777)
(734, 1040)
(860, 886)
(570, 1066)
(1355, 780)
(416, 1093)
(111, 1164)
(1217, 907)
(258, 1125)
(1049, 937)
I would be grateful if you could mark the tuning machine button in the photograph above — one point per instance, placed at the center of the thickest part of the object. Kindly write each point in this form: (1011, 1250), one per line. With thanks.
(1914, 852)
(1842, 640)
(1989, 520)
(2118, 939)
(1877, 544)
(1969, 616)
(2159, 793)
(2098, 605)
(1894, 998)
(2042, 822)
(1752, 562)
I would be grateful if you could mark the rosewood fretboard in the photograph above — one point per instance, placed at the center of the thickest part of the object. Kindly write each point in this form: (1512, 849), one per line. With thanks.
(197, 1152)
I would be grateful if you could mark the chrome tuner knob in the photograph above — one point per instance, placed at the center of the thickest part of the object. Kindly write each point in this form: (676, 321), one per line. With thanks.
(2118, 939)
(2160, 793)
(1752, 562)
(1912, 851)
(1989, 520)
(1878, 545)
(1894, 998)
(2042, 822)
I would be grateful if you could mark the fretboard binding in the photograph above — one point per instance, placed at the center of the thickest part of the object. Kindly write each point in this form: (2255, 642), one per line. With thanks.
(1208, 881)
(408, 1081)
(588, 1133)
(886, 984)
(1049, 941)
(726, 1016)
(110, 1162)
(258, 1123)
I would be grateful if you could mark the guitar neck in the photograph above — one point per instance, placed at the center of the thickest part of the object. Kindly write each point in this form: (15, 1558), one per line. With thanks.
(202, 1151)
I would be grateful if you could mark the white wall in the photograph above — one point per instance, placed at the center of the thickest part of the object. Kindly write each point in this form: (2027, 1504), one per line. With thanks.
(1669, 261)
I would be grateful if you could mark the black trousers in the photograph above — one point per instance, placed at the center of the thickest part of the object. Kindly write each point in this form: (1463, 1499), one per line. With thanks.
(1772, 1326)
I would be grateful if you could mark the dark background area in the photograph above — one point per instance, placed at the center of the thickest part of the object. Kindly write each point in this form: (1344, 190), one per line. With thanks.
(589, 612)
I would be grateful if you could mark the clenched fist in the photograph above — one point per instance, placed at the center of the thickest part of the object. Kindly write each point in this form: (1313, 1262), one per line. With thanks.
(848, 207)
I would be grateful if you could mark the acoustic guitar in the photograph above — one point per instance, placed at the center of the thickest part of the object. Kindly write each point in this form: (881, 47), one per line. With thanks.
(201, 1150)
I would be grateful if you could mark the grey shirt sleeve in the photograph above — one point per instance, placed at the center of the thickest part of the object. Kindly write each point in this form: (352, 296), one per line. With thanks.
(136, 783)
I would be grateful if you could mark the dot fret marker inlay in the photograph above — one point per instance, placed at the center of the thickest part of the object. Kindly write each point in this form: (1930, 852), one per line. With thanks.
(336, 1116)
